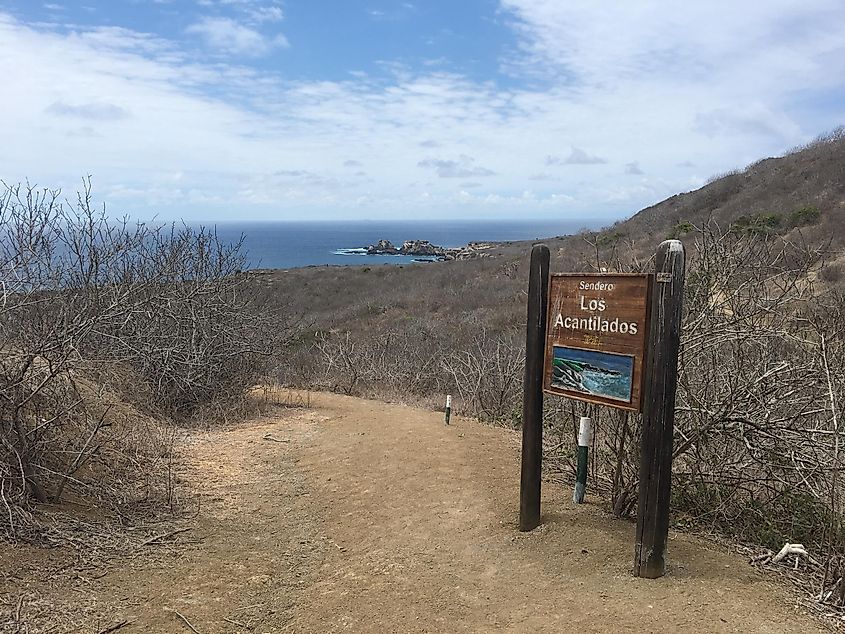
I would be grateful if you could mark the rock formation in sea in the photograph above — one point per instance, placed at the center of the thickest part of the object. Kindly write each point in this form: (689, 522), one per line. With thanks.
(427, 249)
(382, 247)
(421, 247)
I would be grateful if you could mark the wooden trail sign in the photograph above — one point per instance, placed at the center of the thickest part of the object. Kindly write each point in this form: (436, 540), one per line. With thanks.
(596, 337)
(611, 340)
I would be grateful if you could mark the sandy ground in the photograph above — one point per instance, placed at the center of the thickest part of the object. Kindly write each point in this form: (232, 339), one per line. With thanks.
(356, 516)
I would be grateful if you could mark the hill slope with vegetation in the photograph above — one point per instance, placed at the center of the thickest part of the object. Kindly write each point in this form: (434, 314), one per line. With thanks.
(799, 197)
(804, 189)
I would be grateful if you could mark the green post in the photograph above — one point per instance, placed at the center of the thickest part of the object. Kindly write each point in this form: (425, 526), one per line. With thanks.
(584, 436)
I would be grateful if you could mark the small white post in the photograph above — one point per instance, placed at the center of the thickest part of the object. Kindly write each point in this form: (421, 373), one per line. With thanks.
(585, 436)
(448, 407)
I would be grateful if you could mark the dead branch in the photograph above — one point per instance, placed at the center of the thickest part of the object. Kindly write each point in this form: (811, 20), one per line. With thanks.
(158, 538)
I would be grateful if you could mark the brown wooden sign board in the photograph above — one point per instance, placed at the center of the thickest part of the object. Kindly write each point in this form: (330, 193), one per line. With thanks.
(596, 337)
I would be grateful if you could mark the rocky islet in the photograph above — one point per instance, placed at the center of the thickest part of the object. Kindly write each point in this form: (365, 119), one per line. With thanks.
(424, 248)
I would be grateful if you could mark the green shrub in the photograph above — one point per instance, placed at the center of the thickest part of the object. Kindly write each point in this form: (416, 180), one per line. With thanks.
(611, 237)
(680, 229)
(806, 215)
(757, 224)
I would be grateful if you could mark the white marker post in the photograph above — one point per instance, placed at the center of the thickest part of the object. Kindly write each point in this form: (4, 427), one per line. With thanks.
(448, 407)
(585, 435)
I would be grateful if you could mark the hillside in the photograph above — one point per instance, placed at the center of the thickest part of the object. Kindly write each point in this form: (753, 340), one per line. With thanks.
(774, 188)
(799, 196)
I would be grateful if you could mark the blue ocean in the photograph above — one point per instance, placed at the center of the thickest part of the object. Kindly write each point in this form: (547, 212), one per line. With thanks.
(284, 245)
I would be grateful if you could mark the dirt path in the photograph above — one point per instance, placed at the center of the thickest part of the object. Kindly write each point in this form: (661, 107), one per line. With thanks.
(363, 517)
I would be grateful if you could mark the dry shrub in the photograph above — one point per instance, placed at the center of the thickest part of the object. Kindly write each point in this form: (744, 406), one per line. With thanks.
(89, 306)
(758, 422)
(415, 361)
(834, 273)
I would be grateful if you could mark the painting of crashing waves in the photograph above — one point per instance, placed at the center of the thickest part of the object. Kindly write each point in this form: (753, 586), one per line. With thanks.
(593, 372)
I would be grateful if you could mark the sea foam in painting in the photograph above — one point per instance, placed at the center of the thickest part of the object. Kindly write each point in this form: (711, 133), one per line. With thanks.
(593, 372)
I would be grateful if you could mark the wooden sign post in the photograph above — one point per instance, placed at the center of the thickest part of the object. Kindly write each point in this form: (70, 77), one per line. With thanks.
(607, 339)
(532, 402)
(659, 411)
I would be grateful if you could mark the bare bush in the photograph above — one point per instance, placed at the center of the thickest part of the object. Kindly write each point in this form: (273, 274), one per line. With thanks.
(487, 375)
(83, 297)
(414, 361)
(758, 438)
(748, 387)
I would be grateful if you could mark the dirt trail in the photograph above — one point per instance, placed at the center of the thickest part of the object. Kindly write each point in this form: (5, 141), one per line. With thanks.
(363, 517)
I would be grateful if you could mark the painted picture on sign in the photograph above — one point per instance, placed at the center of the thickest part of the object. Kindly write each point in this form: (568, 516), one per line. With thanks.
(593, 372)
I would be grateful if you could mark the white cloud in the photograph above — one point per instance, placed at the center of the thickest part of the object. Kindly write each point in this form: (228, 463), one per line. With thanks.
(708, 74)
(634, 169)
(402, 11)
(269, 13)
(576, 157)
(646, 40)
(665, 87)
(96, 111)
(228, 36)
(463, 167)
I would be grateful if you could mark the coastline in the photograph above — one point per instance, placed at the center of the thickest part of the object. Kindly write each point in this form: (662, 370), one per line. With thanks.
(286, 245)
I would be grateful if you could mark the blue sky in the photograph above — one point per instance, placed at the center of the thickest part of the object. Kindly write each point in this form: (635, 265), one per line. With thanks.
(306, 109)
